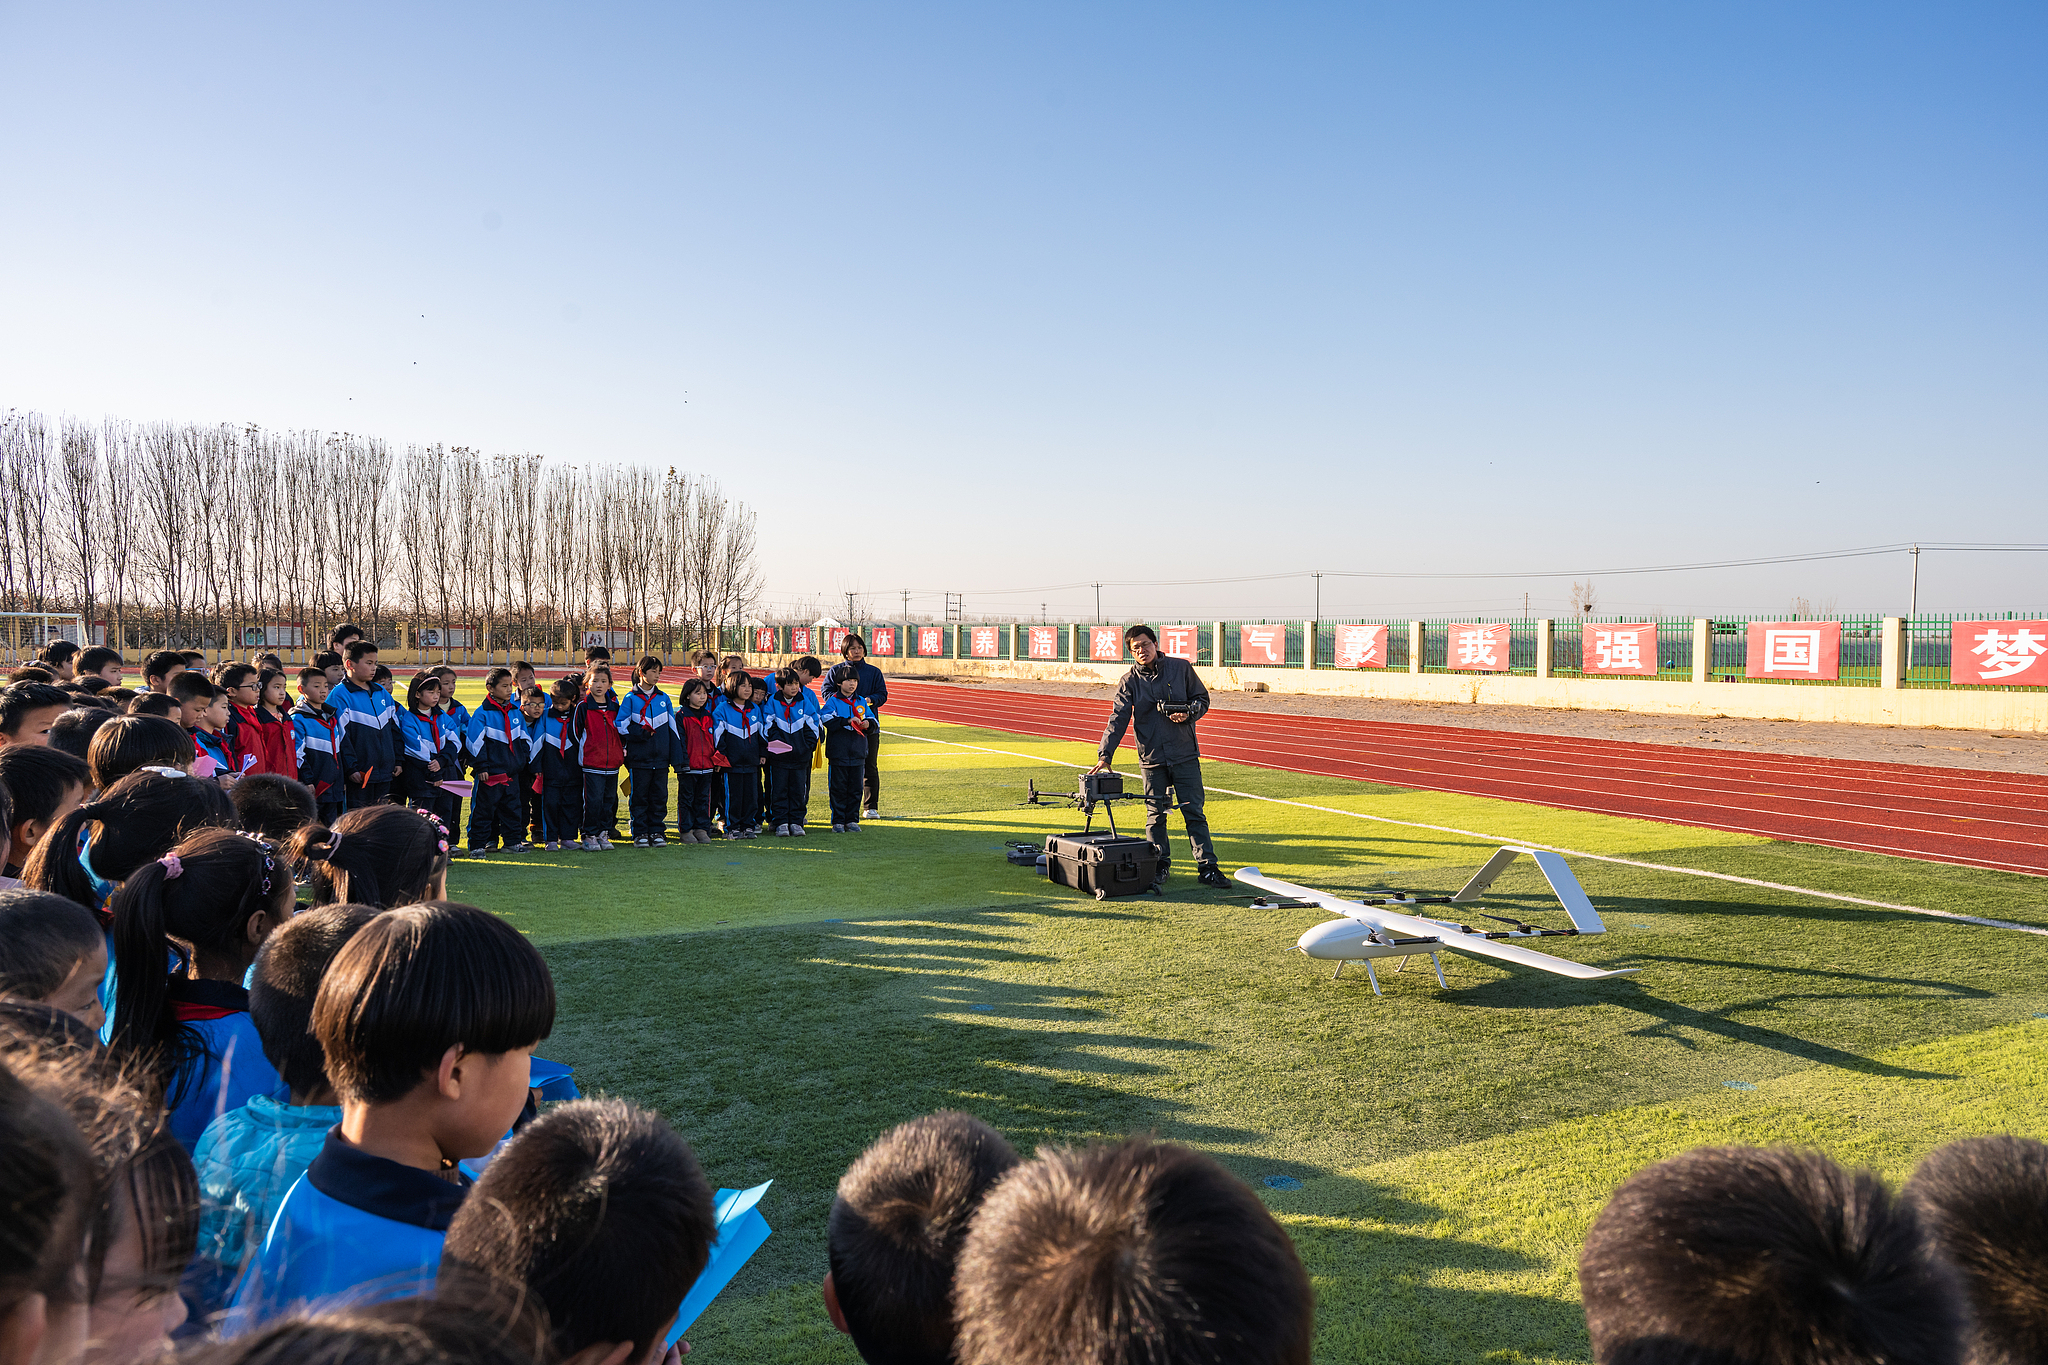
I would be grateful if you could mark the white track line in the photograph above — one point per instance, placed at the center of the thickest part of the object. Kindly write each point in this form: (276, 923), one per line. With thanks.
(1525, 843)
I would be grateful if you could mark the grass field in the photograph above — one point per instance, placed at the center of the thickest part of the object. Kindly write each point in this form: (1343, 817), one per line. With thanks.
(1436, 1155)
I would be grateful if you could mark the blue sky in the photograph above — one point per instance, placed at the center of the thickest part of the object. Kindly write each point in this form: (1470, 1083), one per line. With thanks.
(987, 298)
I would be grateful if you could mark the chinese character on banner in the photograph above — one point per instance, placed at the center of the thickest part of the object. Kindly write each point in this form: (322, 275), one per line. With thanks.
(1045, 642)
(1795, 649)
(1484, 648)
(982, 642)
(1361, 647)
(1998, 653)
(882, 640)
(799, 639)
(1619, 649)
(838, 638)
(1180, 641)
(931, 641)
(1261, 645)
(1105, 644)
(764, 639)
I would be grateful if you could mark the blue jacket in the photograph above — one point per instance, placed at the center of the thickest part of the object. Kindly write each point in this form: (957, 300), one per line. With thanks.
(316, 733)
(247, 1158)
(455, 718)
(843, 743)
(424, 738)
(739, 734)
(497, 740)
(353, 1224)
(647, 722)
(556, 741)
(215, 748)
(799, 724)
(369, 729)
(231, 1069)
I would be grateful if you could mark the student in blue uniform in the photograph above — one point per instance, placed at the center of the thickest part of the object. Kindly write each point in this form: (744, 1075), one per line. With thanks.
(849, 728)
(647, 722)
(368, 720)
(561, 771)
(736, 728)
(497, 747)
(218, 893)
(454, 724)
(419, 730)
(427, 1019)
(793, 720)
(316, 736)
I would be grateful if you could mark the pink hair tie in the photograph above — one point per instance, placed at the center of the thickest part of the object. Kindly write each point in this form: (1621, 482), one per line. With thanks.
(172, 867)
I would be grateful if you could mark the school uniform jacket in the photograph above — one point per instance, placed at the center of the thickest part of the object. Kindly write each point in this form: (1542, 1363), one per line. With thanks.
(595, 727)
(270, 742)
(646, 721)
(208, 745)
(455, 720)
(739, 734)
(368, 720)
(843, 743)
(316, 742)
(799, 724)
(556, 740)
(230, 1069)
(423, 740)
(696, 747)
(497, 741)
(353, 1224)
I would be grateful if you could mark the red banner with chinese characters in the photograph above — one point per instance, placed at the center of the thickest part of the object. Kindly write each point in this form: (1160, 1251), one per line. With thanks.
(1618, 649)
(764, 639)
(1105, 644)
(799, 639)
(838, 638)
(1795, 649)
(1483, 648)
(981, 642)
(1361, 647)
(1182, 642)
(1261, 646)
(1044, 642)
(931, 641)
(1998, 653)
(882, 641)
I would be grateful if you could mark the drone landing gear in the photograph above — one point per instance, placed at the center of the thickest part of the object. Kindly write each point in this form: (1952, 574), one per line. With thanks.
(1374, 977)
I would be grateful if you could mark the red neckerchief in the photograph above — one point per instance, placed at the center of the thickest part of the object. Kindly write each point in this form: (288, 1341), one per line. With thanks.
(188, 1012)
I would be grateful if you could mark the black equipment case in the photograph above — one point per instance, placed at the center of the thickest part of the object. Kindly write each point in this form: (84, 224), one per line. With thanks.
(1104, 865)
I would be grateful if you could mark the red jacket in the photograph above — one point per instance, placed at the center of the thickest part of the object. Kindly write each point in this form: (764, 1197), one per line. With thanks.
(594, 730)
(270, 742)
(700, 755)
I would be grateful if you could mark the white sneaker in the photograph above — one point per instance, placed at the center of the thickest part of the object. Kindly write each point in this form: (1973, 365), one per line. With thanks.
(658, 841)
(604, 841)
(590, 844)
(553, 846)
(871, 815)
(796, 831)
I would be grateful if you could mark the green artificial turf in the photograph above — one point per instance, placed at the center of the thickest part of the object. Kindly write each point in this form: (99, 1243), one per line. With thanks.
(782, 1002)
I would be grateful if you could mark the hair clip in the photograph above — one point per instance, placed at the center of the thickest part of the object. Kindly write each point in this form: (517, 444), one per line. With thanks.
(333, 845)
(161, 770)
(172, 865)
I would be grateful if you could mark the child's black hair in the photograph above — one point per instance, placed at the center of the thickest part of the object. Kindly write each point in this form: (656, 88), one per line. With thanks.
(43, 938)
(839, 674)
(384, 855)
(458, 1327)
(596, 652)
(97, 658)
(199, 897)
(788, 677)
(898, 1222)
(419, 980)
(137, 819)
(568, 689)
(496, 676)
(811, 664)
(599, 1210)
(421, 681)
(48, 1187)
(288, 971)
(191, 686)
(56, 652)
(163, 664)
(523, 666)
(92, 683)
(732, 686)
(34, 673)
(128, 744)
(308, 673)
(36, 779)
(273, 805)
(195, 659)
(649, 662)
(73, 731)
(230, 676)
(20, 700)
(1983, 1207)
(263, 681)
(342, 633)
(381, 678)
(1744, 1253)
(326, 659)
(358, 648)
(691, 685)
(158, 704)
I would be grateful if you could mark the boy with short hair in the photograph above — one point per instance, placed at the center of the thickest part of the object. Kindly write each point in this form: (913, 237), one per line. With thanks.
(647, 724)
(1742, 1253)
(497, 747)
(205, 711)
(159, 668)
(599, 1210)
(522, 677)
(898, 1222)
(316, 739)
(427, 1020)
(240, 684)
(367, 722)
(52, 952)
(330, 663)
(61, 658)
(1983, 1208)
(533, 708)
(73, 730)
(43, 785)
(102, 662)
(273, 806)
(248, 1157)
(28, 710)
(1133, 1250)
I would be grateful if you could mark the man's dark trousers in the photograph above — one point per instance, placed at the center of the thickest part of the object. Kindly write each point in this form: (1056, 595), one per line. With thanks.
(1164, 784)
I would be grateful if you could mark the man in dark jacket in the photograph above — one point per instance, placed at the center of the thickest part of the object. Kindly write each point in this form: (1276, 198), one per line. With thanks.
(1164, 697)
(875, 692)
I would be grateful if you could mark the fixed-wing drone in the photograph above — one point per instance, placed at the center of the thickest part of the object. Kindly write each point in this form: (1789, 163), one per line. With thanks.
(1380, 926)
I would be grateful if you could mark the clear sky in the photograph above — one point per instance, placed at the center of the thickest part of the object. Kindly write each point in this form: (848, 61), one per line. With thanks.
(974, 297)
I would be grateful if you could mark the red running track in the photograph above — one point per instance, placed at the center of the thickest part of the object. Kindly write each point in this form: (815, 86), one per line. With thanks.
(1950, 815)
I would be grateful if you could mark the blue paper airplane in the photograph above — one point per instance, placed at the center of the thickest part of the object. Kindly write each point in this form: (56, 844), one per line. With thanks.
(741, 1230)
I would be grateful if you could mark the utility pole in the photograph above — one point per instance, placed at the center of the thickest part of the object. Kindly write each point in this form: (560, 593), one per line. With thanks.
(1098, 604)
(1913, 602)
(906, 606)
(1319, 595)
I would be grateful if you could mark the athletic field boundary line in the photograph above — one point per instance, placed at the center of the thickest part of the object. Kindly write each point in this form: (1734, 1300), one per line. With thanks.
(1527, 843)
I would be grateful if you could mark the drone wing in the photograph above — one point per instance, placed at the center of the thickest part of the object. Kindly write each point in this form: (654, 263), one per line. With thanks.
(1450, 935)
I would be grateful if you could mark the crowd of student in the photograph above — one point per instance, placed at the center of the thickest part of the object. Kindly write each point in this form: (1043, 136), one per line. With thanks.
(253, 1130)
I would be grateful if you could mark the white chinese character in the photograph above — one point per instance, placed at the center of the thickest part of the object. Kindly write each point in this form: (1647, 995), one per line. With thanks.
(1618, 650)
(1792, 651)
(1267, 640)
(2005, 655)
(1475, 649)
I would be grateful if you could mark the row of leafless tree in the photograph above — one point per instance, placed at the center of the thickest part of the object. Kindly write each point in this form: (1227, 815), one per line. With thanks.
(184, 534)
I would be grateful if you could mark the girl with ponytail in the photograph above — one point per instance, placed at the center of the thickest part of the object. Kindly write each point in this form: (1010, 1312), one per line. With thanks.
(383, 856)
(206, 907)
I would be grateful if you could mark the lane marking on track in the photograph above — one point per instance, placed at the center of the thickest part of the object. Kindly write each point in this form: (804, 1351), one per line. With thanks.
(1528, 843)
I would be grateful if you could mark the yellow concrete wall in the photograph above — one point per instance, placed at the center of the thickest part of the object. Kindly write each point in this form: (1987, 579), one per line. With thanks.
(1936, 708)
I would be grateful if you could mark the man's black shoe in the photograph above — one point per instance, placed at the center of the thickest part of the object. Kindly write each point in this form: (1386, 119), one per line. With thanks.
(1159, 877)
(1212, 875)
